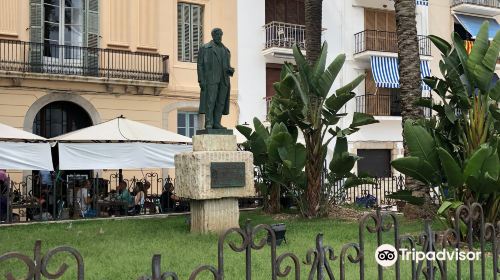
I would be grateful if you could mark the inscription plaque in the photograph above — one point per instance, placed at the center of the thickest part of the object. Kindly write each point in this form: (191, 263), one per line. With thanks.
(227, 174)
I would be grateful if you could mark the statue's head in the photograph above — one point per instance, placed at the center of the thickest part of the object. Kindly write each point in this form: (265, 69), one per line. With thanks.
(217, 35)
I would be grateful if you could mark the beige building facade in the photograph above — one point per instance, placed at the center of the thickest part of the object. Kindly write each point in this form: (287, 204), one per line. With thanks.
(65, 65)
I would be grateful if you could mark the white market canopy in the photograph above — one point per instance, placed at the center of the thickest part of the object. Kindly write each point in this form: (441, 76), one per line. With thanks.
(120, 144)
(21, 150)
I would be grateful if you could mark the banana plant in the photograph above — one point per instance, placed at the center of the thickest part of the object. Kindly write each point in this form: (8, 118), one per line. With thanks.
(457, 150)
(279, 158)
(303, 101)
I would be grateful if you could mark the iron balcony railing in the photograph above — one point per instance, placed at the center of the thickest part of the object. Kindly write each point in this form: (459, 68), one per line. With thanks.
(383, 41)
(382, 105)
(486, 3)
(82, 61)
(284, 35)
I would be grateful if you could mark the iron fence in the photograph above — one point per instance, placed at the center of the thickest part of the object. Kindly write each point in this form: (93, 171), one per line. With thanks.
(383, 105)
(82, 61)
(486, 3)
(369, 194)
(384, 41)
(469, 233)
(284, 35)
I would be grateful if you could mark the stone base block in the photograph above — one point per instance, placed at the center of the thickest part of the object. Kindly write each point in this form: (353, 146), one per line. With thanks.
(214, 215)
(193, 175)
(210, 142)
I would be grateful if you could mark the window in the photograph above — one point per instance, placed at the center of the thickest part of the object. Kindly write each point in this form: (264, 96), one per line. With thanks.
(189, 31)
(187, 123)
(63, 25)
(375, 162)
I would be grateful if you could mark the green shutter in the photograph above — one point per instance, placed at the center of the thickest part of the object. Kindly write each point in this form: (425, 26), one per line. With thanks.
(91, 37)
(36, 35)
(196, 30)
(184, 31)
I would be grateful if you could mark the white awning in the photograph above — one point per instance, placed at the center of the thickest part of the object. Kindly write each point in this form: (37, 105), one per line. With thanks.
(9, 133)
(25, 156)
(82, 156)
(123, 130)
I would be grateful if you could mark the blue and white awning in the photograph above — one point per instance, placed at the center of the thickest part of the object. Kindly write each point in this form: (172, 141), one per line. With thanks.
(423, 2)
(473, 23)
(386, 74)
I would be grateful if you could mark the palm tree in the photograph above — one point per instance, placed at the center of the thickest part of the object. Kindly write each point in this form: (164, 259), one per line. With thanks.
(313, 15)
(314, 164)
(410, 83)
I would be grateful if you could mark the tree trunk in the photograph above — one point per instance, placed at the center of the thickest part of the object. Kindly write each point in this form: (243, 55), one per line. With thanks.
(410, 82)
(314, 166)
(313, 15)
(274, 199)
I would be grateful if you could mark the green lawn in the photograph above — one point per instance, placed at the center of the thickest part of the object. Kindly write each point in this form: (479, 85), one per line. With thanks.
(122, 249)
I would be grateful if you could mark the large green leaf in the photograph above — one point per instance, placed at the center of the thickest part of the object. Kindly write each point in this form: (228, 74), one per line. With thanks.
(299, 87)
(421, 144)
(260, 129)
(319, 66)
(451, 169)
(416, 168)
(441, 44)
(480, 73)
(476, 161)
(245, 131)
(360, 119)
(495, 92)
(343, 165)
(335, 103)
(350, 86)
(340, 147)
(491, 56)
(328, 77)
(406, 195)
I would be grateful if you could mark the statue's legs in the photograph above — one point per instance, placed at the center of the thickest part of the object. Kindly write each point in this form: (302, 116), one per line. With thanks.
(216, 94)
(220, 104)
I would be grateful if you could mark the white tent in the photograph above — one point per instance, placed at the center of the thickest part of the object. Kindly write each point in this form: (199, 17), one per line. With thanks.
(120, 144)
(21, 150)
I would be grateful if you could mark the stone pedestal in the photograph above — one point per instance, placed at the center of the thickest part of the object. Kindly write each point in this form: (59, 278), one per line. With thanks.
(213, 177)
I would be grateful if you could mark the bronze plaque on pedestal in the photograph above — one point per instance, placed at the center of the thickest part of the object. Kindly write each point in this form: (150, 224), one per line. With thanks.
(227, 174)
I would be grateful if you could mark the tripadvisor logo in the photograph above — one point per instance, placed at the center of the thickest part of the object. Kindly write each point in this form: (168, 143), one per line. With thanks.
(386, 255)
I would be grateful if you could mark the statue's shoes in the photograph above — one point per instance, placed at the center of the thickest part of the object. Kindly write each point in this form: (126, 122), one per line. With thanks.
(218, 126)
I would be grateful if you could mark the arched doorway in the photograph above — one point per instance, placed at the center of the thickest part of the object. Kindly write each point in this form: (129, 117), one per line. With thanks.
(57, 189)
(60, 117)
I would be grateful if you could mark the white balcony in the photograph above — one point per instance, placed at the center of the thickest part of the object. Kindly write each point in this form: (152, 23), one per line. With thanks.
(280, 38)
(489, 8)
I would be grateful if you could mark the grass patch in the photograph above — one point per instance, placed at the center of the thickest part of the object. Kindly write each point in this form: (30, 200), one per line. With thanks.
(122, 249)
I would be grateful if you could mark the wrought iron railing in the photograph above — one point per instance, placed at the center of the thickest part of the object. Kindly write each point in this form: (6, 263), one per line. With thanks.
(284, 35)
(383, 41)
(369, 195)
(469, 235)
(486, 3)
(379, 104)
(383, 105)
(82, 61)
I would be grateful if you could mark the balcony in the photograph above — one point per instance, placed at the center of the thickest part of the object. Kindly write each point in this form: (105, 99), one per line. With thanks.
(382, 105)
(280, 38)
(490, 8)
(369, 42)
(116, 65)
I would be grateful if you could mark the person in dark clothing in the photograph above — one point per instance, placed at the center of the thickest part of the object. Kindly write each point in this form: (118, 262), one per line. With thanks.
(168, 199)
(3, 201)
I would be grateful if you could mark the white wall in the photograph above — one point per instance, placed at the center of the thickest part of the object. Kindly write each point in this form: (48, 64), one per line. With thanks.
(251, 62)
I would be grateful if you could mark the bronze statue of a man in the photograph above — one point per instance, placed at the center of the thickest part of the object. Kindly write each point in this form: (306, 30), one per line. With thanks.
(214, 71)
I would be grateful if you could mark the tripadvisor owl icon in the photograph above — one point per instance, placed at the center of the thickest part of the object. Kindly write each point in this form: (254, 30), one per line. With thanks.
(386, 255)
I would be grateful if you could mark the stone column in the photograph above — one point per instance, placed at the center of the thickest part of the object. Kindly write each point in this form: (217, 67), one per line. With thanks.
(213, 176)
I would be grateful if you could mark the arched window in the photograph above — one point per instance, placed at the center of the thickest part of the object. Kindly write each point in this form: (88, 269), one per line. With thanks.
(60, 117)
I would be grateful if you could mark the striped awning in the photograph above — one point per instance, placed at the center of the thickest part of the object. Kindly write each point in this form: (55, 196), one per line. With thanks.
(423, 2)
(386, 74)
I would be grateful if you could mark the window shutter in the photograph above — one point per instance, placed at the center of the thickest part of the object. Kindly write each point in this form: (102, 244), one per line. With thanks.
(180, 31)
(196, 30)
(36, 35)
(91, 27)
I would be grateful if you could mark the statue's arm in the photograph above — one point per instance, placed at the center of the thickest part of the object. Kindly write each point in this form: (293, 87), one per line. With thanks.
(231, 70)
(200, 68)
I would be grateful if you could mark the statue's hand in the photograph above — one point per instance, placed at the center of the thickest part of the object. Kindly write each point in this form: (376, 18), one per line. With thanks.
(230, 71)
